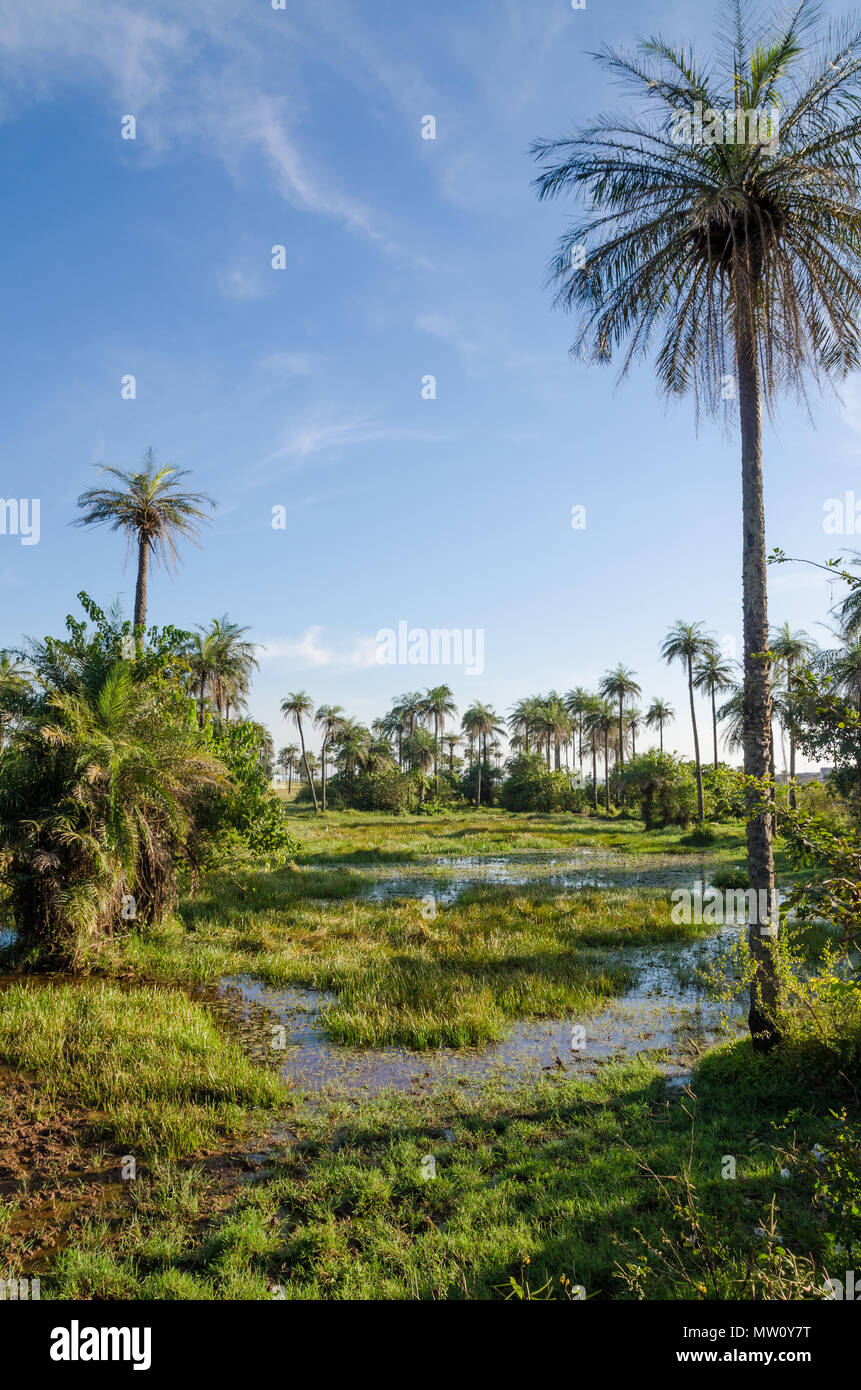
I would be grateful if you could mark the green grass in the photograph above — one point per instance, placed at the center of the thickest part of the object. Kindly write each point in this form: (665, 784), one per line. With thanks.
(494, 956)
(549, 1182)
(530, 1187)
(150, 1062)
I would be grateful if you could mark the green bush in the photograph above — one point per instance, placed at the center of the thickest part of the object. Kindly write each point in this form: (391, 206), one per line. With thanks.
(530, 786)
(664, 788)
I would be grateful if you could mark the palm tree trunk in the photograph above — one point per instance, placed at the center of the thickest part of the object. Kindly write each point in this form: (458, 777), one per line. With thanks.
(606, 771)
(323, 761)
(290, 777)
(594, 775)
(757, 731)
(140, 587)
(700, 803)
(661, 733)
(478, 797)
(307, 768)
(621, 741)
(792, 798)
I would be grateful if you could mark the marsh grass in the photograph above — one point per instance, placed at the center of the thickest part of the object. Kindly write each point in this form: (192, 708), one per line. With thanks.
(549, 1180)
(149, 1062)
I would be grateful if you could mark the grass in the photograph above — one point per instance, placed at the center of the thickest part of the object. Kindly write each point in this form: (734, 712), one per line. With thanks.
(150, 1062)
(458, 978)
(561, 1180)
(530, 1190)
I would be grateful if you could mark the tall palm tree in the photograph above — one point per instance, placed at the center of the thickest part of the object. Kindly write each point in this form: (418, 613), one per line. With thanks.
(620, 685)
(712, 673)
(633, 720)
(153, 511)
(659, 713)
(298, 706)
(330, 719)
(790, 649)
(604, 719)
(422, 755)
(591, 721)
(287, 762)
(439, 702)
(731, 715)
(452, 740)
(481, 722)
(687, 643)
(577, 705)
(741, 258)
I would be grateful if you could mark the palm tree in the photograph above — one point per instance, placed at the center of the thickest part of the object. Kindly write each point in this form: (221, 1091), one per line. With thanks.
(14, 686)
(154, 513)
(620, 685)
(439, 702)
(712, 673)
(603, 718)
(659, 713)
(590, 725)
(296, 706)
(287, 762)
(741, 259)
(481, 722)
(452, 740)
(329, 718)
(221, 661)
(98, 789)
(577, 705)
(790, 649)
(687, 643)
(731, 714)
(422, 754)
(633, 720)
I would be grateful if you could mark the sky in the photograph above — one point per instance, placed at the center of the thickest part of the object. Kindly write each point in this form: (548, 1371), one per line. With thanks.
(305, 387)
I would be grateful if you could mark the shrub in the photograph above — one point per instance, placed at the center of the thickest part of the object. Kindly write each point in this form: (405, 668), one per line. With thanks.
(663, 787)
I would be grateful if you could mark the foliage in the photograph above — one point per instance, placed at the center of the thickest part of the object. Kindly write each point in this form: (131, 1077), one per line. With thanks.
(662, 786)
(724, 792)
(530, 786)
(246, 817)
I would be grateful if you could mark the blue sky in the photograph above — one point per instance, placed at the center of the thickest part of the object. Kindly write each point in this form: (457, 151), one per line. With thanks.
(302, 387)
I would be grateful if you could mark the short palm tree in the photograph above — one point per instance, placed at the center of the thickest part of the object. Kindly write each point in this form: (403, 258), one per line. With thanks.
(153, 511)
(790, 650)
(713, 673)
(97, 794)
(659, 713)
(740, 260)
(297, 706)
(620, 685)
(688, 643)
(577, 705)
(422, 754)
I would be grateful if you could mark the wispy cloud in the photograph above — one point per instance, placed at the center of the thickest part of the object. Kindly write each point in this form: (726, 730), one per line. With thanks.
(310, 652)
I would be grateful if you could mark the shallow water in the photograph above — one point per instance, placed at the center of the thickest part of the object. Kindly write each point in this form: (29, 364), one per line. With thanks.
(445, 878)
(663, 1010)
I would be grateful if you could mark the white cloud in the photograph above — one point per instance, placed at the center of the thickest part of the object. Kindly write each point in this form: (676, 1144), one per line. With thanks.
(311, 653)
